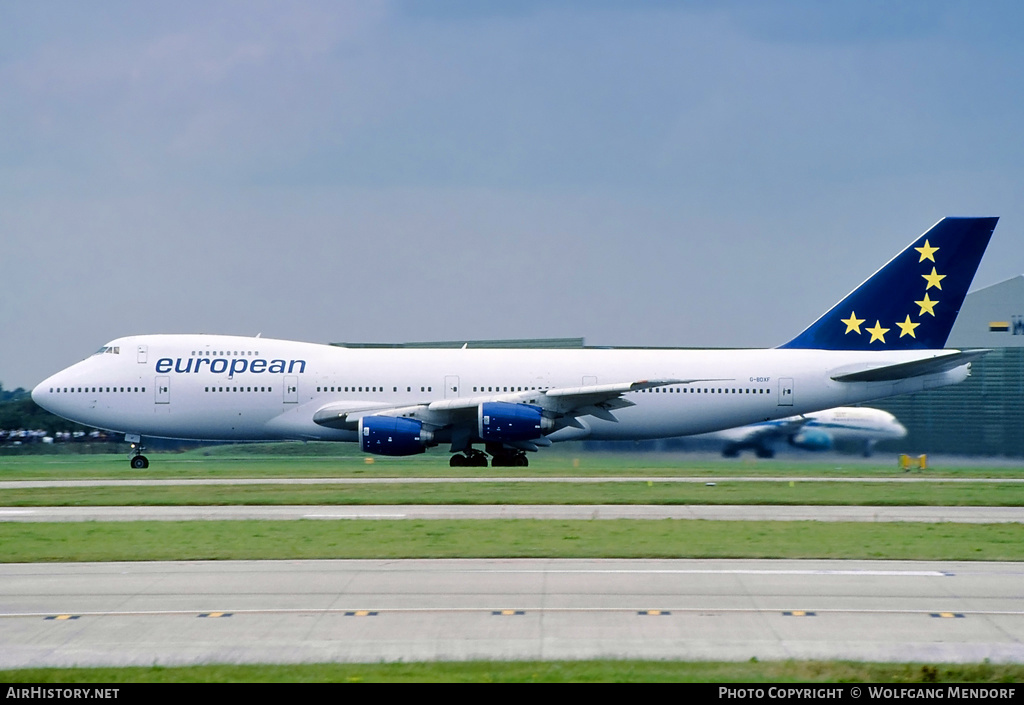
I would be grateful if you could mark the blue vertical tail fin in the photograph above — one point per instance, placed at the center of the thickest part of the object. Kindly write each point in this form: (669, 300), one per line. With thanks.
(912, 302)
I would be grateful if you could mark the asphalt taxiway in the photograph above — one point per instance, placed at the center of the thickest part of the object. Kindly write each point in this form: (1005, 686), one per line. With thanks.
(145, 613)
(87, 614)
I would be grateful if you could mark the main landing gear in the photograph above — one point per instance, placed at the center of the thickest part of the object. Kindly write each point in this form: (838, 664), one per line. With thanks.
(733, 451)
(509, 459)
(472, 458)
(500, 458)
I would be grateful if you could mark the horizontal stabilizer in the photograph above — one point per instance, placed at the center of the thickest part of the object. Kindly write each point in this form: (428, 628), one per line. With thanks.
(915, 368)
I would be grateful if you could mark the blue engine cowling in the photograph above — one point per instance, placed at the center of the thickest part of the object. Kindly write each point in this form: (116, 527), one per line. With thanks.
(392, 435)
(502, 421)
(811, 439)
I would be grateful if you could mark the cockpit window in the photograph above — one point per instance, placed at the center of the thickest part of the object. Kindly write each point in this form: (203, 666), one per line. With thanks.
(110, 349)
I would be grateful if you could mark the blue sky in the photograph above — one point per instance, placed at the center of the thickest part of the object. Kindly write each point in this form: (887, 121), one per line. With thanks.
(659, 173)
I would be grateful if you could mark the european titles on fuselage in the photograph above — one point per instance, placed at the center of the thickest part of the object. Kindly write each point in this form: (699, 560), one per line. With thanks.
(237, 365)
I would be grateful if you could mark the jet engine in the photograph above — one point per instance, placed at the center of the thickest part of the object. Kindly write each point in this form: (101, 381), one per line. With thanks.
(504, 422)
(393, 435)
(811, 439)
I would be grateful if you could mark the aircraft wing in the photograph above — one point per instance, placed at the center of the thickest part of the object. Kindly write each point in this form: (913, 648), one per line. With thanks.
(562, 405)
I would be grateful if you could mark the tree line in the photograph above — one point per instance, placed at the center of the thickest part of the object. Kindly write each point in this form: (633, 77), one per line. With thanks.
(18, 411)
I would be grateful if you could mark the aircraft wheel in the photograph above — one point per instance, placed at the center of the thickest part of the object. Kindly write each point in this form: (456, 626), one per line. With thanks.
(473, 458)
(457, 461)
(765, 453)
(139, 462)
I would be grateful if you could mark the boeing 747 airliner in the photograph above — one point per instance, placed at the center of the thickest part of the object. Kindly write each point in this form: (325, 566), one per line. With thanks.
(883, 339)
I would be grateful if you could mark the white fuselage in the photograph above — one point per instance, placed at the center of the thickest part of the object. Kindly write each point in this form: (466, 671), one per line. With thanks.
(209, 387)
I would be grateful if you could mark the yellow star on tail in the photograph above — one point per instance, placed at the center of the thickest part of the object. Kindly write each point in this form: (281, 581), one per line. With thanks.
(852, 323)
(877, 333)
(926, 304)
(927, 252)
(907, 328)
(933, 279)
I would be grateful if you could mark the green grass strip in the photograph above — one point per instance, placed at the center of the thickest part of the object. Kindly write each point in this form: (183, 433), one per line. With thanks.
(795, 492)
(536, 672)
(504, 538)
(344, 460)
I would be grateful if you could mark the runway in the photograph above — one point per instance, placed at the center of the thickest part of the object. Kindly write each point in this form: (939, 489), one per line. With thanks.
(366, 611)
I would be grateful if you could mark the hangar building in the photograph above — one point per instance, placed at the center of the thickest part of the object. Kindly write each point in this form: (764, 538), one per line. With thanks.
(984, 415)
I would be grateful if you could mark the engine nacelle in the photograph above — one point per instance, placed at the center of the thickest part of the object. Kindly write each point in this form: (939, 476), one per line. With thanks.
(393, 435)
(502, 421)
(812, 439)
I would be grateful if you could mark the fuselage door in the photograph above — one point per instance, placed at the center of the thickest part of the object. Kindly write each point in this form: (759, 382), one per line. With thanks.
(451, 387)
(785, 391)
(163, 390)
(291, 389)
(142, 352)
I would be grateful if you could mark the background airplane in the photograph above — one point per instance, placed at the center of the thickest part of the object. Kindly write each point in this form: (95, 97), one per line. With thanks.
(818, 430)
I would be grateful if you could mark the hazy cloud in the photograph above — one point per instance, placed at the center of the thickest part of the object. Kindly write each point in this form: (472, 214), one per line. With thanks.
(660, 173)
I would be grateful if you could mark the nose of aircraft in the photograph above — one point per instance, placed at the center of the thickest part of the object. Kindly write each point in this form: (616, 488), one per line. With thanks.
(40, 393)
(37, 392)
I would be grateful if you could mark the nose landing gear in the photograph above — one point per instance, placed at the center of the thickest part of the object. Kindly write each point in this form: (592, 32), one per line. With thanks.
(137, 460)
